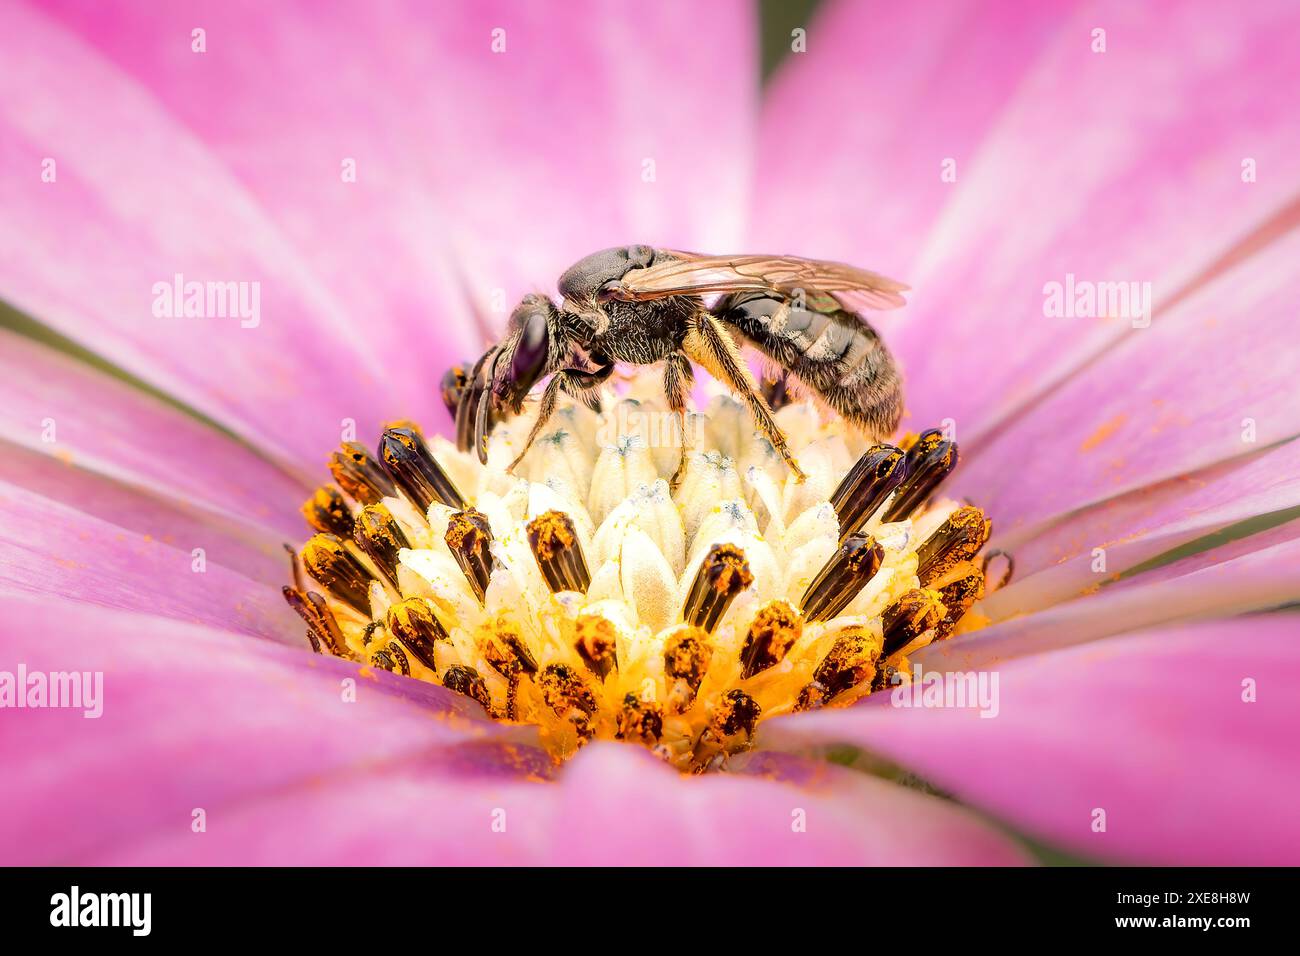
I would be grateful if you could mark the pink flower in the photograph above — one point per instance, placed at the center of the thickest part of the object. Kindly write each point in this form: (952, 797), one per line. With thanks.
(385, 173)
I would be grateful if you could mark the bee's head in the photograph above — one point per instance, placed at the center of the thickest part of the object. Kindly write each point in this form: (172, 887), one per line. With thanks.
(530, 350)
(500, 381)
(591, 280)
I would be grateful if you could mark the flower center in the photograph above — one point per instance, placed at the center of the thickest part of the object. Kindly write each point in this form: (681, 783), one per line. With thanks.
(583, 595)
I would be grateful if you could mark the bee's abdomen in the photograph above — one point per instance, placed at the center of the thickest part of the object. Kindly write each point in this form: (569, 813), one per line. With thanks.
(834, 354)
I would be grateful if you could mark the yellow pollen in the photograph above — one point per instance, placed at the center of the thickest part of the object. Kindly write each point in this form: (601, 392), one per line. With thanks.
(583, 594)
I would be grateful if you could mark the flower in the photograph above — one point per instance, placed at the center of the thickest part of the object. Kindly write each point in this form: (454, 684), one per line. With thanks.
(583, 594)
(235, 239)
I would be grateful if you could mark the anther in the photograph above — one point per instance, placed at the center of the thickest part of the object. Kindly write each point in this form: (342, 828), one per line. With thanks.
(322, 628)
(509, 656)
(774, 631)
(641, 721)
(909, 617)
(326, 510)
(723, 574)
(869, 482)
(467, 681)
(470, 539)
(378, 534)
(413, 623)
(562, 687)
(338, 571)
(568, 696)
(813, 696)
(558, 552)
(958, 539)
(929, 461)
(686, 659)
(596, 644)
(360, 475)
(847, 572)
(850, 661)
(958, 597)
(413, 468)
(391, 658)
(737, 713)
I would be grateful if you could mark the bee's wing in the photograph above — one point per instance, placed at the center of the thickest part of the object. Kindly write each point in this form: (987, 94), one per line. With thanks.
(825, 285)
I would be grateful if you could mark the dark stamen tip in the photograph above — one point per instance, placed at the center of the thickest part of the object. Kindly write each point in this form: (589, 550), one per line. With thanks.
(813, 696)
(468, 682)
(508, 654)
(845, 575)
(469, 536)
(640, 720)
(338, 571)
(322, 628)
(869, 482)
(958, 597)
(911, 616)
(597, 644)
(958, 539)
(773, 632)
(686, 659)
(723, 574)
(567, 695)
(360, 475)
(327, 510)
(929, 461)
(737, 713)
(381, 538)
(850, 661)
(391, 658)
(555, 545)
(408, 461)
(414, 624)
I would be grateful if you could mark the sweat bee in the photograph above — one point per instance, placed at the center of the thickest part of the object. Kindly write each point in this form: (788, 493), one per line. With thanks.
(641, 305)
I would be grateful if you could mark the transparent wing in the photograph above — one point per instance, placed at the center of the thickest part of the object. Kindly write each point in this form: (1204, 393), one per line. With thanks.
(825, 285)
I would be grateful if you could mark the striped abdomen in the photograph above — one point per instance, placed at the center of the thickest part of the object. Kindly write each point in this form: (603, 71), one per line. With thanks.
(835, 355)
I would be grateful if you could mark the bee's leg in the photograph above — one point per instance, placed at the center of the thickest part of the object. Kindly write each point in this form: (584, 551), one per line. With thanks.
(572, 381)
(678, 378)
(708, 343)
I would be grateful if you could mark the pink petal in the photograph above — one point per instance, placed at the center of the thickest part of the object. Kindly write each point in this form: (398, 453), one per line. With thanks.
(138, 200)
(287, 770)
(1206, 382)
(614, 804)
(50, 548)
(253, 550)
(1125, 165)
(855, 130)
(462, 155)
(1136, 528)
(57, 406)
(1152, 729)
(194, 718)
(1262, 578)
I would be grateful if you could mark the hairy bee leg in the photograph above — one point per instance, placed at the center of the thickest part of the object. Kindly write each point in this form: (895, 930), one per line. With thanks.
(572, 381)
(708, 343)
(678, 378)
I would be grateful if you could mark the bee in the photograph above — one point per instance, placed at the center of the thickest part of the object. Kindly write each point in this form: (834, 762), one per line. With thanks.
(641, 305)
